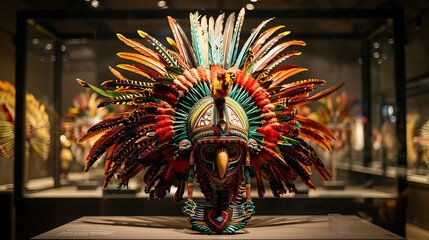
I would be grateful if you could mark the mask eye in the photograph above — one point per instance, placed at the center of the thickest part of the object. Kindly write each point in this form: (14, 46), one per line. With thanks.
(208, 152)
(234, 152)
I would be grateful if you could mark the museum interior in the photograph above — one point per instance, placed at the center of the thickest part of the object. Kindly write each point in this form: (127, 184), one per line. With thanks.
(379, 163)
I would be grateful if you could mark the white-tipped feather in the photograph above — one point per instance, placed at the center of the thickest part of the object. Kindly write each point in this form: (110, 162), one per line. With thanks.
(280, 59)
(233, 48)
(204, 42)
(263, 37)
(195, 32)
(139, 47)
(227, 36)
(181, 43)
(211, 37)
(273, 53)
(245, 49)
(162, 50)
(219, 24)
(265, 48)
(218, 40)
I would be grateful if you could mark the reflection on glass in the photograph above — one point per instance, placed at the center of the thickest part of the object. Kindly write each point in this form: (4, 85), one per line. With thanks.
(37, 127)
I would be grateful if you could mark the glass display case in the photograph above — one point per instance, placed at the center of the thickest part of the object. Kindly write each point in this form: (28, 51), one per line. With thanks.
(364, 50)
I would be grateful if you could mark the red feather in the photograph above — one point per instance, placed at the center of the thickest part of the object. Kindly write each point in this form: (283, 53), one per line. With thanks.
(262, 103)
(164, 133)
(269, 133)
(181, 165)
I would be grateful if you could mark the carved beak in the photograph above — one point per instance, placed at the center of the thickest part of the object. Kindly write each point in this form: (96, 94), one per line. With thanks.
(222, 161)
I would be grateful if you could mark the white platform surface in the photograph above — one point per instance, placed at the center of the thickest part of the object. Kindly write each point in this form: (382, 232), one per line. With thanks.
(259, 227)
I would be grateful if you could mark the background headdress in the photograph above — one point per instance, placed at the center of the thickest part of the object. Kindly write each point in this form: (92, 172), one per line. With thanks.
(37, 125)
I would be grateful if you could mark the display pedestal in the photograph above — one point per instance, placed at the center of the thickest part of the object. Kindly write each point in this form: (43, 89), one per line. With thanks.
(88, 185)
(334, 226)
(334, 185)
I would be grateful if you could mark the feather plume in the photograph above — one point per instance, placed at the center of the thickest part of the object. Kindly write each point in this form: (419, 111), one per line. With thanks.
(264, 37)
(183, 43)
(145, 61)
(7, 127)
(197, 39)
(118, 74)
(275, 62)
(316, 125)
(101, 145)
(235, 40)
(266, 59)
(315, 97)
(127, 84)
(204, 41)
(106, 93)
(216, 42)
(279, 77)
(245, 49)
(266, 47)
(139, 47)
(37, 124)
(165, 54)
(227, 36)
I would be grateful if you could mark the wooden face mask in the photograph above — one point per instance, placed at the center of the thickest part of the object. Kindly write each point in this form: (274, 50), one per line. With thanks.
(209, 110)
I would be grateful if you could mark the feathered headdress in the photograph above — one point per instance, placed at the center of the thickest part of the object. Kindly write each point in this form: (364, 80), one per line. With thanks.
(335, 108)
(209, 109)
(79, 119)
(37, 125)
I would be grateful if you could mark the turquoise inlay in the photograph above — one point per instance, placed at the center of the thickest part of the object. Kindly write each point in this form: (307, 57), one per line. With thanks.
(253, 112)
(183, 107)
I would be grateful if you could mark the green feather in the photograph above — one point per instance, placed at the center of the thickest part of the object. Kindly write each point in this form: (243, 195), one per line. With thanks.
(174, 70)
(105, 93)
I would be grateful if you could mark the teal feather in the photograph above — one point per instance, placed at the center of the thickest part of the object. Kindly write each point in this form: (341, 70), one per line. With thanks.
(211, 36)
(193, 18)
(288, 140)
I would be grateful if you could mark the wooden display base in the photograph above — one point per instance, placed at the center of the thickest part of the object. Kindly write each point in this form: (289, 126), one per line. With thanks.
(334, 185)
(88, 185)
(113, 190)
(334, 226)
(121, 192)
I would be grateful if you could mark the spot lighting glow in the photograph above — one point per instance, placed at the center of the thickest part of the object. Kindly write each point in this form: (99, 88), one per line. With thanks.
(253, 1)
(376, 45)
(95, 3)
(162, 4)
(48, 46)
(390, 110)
(250, 6)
